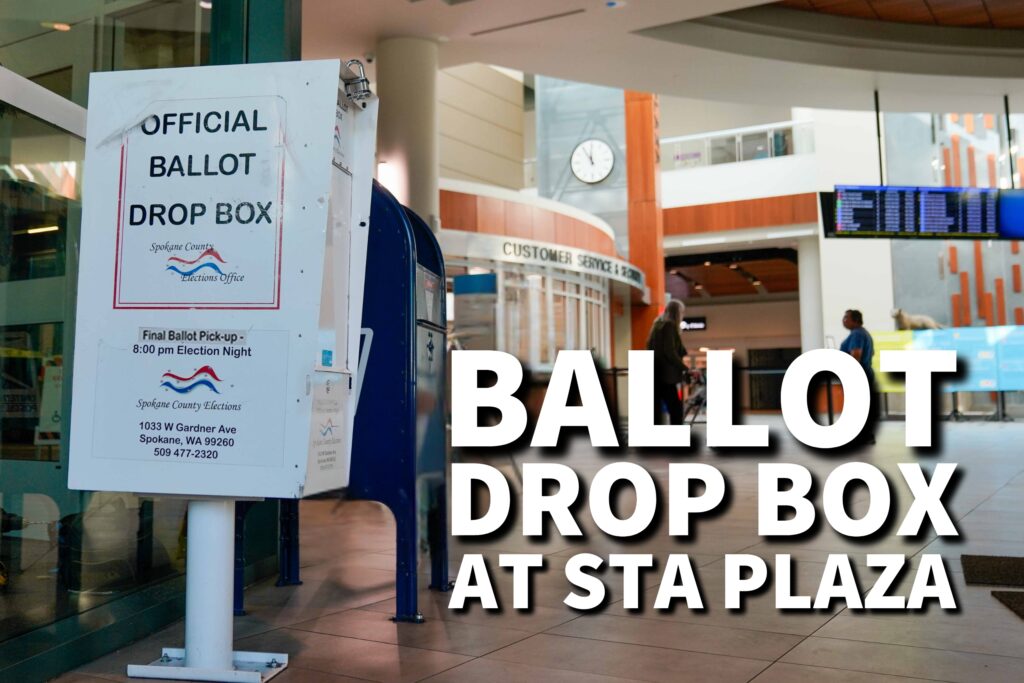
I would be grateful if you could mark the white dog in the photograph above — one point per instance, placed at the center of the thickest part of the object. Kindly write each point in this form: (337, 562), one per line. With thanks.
(908, 321)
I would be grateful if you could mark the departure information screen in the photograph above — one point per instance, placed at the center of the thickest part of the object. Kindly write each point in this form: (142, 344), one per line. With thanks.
(894, 211)
(879, 210)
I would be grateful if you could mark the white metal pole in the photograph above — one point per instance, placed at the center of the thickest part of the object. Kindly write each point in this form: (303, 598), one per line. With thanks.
(209, 585)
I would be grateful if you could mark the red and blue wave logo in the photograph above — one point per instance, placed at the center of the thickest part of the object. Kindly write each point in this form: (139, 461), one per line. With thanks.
(208, 260)
(203, 377)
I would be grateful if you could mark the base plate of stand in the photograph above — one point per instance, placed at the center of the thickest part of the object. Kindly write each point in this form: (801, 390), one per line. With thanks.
(249, 667)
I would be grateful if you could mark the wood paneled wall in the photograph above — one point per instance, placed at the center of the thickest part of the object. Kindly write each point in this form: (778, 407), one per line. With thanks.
(475, 213)
(748, 213)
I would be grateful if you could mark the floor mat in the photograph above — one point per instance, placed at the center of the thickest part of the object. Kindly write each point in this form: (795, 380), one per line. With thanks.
(1012, 599)
(993, 570)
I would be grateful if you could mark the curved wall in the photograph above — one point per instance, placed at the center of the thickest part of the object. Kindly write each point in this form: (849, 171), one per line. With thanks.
(471, 207)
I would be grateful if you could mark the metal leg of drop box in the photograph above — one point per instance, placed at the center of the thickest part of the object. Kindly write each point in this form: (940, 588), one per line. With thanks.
(406, 556)
(438, 540)
(289, 548)
(241, 510)
(209, 629)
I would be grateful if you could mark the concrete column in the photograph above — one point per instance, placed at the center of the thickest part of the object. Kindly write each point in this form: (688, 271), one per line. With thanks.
(407, 129)
(812, 322)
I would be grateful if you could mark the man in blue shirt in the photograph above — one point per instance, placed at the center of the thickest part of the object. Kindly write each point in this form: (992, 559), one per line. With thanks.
(861, 346)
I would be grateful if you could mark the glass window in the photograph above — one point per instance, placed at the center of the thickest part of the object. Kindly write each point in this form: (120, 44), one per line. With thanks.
(754, 146)
(723, 150)
(1016, 155)
(39, 196)
(58, 43)
(782, 142)
(958, 283)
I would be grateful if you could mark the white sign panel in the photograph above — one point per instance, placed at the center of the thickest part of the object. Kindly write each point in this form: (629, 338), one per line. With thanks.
(222, 258)
(201, 187)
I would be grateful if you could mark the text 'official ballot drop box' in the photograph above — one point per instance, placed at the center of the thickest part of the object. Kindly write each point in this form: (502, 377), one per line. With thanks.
(224, 229)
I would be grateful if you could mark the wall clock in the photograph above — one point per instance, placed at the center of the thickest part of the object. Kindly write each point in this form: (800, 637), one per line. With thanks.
(592, 161)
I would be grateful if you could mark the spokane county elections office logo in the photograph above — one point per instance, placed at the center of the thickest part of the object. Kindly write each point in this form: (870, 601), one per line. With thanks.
(209, 266)
(203, 378)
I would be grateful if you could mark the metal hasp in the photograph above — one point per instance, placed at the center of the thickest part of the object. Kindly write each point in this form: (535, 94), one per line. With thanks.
(399, 454)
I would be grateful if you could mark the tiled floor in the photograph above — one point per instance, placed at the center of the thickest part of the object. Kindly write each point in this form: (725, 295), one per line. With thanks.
(336, 628)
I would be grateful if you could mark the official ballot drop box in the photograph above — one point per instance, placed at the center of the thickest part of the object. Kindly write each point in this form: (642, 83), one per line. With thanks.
(399, 453)
(224, 229)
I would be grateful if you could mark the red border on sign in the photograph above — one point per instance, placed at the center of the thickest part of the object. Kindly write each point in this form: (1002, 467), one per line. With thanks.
(219, 306)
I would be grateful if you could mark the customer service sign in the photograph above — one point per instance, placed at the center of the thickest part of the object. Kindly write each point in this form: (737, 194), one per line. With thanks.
(207, 206)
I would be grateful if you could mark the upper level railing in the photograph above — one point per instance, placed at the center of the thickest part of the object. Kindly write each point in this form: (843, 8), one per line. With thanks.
(738, 144)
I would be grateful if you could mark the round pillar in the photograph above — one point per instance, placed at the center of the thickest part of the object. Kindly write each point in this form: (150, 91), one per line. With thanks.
(407, 129)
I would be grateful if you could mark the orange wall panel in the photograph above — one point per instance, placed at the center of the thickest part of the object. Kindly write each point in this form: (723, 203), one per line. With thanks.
(958, 178)
(1000, 314)
(565, 230)
(987, 313)
(947, 166)
(543, 225)
(972, 167)
(490, 215)
(1018, 316)
(646, 219)
(1016, 278)
(993, 181)
(956, 307)
(965, 299)
(748, 213)
(953, 264)
(458, 211)
(494, 216)
(518, 220)
(979, 275)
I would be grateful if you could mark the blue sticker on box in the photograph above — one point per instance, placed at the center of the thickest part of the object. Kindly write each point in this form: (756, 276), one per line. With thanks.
(327, 358)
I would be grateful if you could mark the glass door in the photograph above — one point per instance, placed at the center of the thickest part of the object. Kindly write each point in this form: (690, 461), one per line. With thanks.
(41, 151)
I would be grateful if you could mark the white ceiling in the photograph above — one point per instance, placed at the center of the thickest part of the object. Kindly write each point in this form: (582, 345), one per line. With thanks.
(596, 44)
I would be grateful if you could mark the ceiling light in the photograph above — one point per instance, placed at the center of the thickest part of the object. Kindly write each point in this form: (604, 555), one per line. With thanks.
(698, 286)
(756, 283)
(47, 228)
(56, 25)
(733, 266)
(206, 4)
(707, 263)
